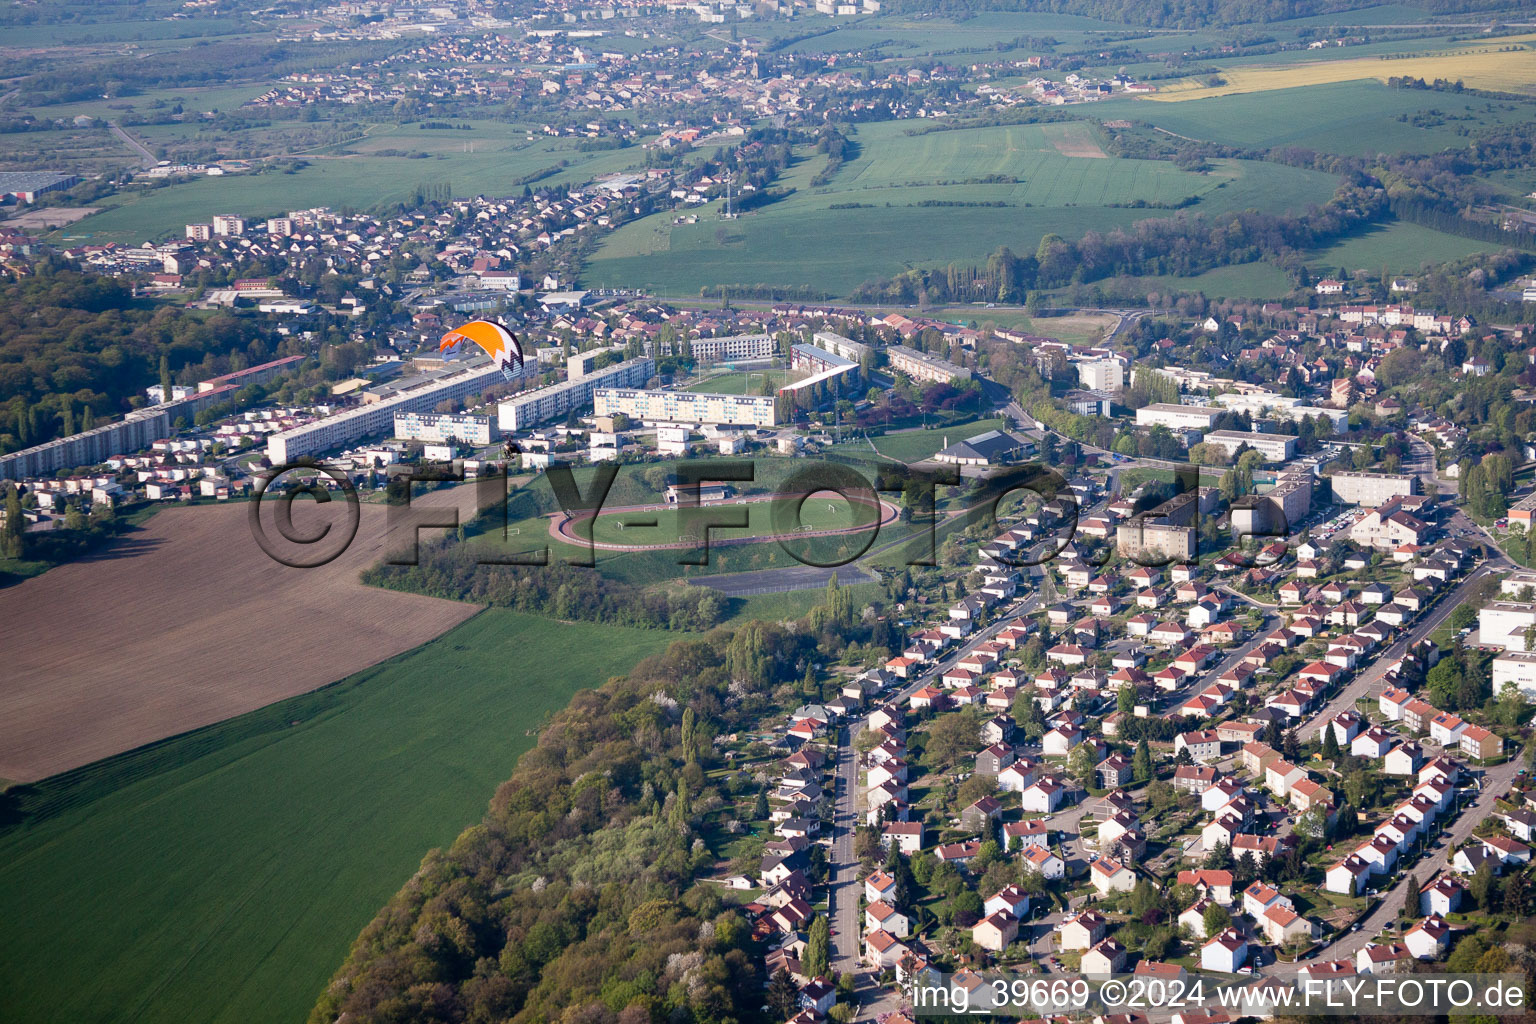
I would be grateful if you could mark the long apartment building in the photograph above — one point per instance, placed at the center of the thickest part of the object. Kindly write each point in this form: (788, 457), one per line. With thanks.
(417, 394)
(831, 341)
(687, 407)
(1177, 417)
(534, 407)
(924, 367)
(736, 346)
(1371, 489)
(1274, 447)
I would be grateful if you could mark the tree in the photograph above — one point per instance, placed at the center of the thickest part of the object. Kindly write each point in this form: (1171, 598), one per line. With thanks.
(818, 945)
(165, 378)
(1330, 743)
(1290, 746)
(1482, 888)
(1215, 918)
(783, 995)
(690, 729)
(952, 737)
(13, 539)
(1125, 701)
(1141, 762)
(1080, 763)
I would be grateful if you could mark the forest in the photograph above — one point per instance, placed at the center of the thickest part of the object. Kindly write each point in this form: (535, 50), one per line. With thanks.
(574, 898)
(76, 349)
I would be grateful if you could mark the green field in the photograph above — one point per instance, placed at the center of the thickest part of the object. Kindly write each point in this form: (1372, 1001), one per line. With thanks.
(1256, 280)
(222, 875)
(349, 181)
(917, 445)
(743, 382)
(1398, 247)
(1346, 117)
(803, 241)
(821, 511)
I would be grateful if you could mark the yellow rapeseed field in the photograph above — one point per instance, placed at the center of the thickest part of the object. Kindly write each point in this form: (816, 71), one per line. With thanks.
(1491, 67)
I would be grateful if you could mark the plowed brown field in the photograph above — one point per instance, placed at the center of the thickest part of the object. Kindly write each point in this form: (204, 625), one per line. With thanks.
(185, 623)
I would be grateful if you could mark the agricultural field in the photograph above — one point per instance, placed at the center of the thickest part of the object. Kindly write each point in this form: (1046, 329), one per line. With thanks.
(869, 221)
(245, 857)
(366, 178)
(1501, 65)
(917, 445)
(1257, 280)
(190, 587)
(1350, 118)
(1397, 248)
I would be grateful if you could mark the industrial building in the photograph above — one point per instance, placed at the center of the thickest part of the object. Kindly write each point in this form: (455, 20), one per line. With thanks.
(531, 408)
(921, 366)
(1274, 447)
(687, 407)
(26, 186)
(1371, 489)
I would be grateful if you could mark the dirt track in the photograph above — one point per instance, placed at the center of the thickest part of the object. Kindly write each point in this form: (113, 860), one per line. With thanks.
(185, 623)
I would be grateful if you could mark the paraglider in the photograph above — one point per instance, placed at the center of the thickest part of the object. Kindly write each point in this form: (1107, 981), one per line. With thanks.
(498, 342)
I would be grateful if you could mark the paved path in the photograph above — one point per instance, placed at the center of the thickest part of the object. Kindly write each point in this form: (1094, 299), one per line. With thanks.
(146, 156)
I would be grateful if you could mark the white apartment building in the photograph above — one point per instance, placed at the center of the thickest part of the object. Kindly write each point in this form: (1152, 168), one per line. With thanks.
(1516, 667)
(1505, 622)
(227, 224)
(1101, 375)
(442, 428)
(1178, 417)
(687, 407)
(737, 346)
(534, 407)
(1371, 489)
(1274, 447)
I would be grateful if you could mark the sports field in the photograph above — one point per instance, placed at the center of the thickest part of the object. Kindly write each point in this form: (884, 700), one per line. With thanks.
(917, 445)
(743, 382)
(1503, 65)
(656, 526)
(869, 221)
(220, 876)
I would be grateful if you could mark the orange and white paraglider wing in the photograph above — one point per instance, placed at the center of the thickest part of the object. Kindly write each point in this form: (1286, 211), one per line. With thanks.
(498, 342)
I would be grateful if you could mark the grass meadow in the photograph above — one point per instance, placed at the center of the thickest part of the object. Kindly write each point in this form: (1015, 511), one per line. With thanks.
(359, 181)
(1398, 247)
(879, 226)
(820, 511)
(917, 445)
(220, 876)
